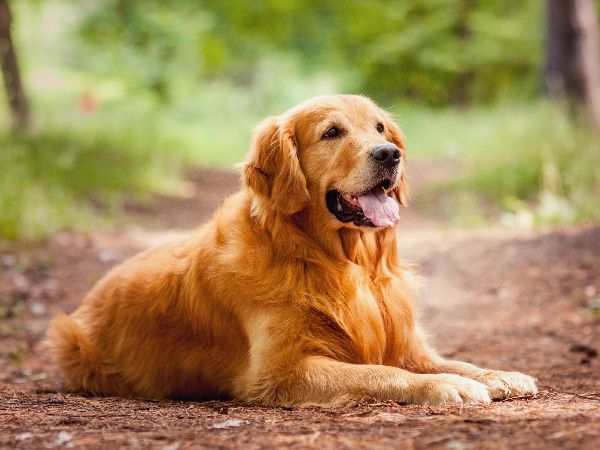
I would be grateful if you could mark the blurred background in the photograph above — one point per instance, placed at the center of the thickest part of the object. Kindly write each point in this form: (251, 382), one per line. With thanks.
(116, 98)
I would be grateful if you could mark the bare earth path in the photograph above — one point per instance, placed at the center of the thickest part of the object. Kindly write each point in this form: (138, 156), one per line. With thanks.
(527, 301)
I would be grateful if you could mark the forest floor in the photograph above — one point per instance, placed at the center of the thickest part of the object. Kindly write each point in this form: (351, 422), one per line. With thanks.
(514, 300)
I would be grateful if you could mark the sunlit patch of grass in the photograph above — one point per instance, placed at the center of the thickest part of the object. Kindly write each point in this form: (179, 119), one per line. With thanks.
(52, 175)
(531, 155)
(74, 159)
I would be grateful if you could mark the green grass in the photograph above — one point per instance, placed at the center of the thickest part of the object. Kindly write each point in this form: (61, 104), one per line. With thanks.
(132, 144)
(528, 159)
(53, 175)
(522, 156)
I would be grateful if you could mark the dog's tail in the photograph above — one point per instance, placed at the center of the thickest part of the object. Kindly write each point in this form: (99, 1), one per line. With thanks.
(69, 347)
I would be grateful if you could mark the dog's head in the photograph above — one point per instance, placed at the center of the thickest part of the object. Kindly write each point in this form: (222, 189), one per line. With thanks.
(341, 156)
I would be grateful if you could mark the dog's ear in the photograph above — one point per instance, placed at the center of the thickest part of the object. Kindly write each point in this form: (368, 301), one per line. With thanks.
(395, 135)
(272, 168)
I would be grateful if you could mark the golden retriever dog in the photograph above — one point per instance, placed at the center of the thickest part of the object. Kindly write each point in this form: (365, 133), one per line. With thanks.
(293, 294)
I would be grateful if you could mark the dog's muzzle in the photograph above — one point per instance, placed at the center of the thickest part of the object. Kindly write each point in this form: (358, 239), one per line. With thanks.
(372, 207)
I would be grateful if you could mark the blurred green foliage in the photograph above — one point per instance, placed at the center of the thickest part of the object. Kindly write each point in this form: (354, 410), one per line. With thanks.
(125, 93)
(66, 174)
(438, 51)
(530, 159)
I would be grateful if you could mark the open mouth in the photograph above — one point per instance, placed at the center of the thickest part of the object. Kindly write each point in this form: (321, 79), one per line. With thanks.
(372, 208)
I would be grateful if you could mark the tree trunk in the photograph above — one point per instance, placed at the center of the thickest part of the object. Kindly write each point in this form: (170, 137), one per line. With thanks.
(573, 53)
(10, 70)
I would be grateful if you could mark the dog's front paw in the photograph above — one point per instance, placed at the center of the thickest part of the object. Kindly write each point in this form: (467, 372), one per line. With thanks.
(444, 388)
(507, 384)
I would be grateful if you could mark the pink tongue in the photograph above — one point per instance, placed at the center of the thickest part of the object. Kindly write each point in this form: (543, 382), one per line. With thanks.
(381, 209)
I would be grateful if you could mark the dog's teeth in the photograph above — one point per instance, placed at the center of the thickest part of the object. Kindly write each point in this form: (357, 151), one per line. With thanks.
(353, 199)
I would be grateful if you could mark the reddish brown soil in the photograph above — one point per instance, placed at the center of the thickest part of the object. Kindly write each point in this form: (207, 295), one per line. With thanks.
(527, 301)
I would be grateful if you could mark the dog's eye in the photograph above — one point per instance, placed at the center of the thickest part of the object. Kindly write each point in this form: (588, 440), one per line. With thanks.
(332, 132)
(380, 128)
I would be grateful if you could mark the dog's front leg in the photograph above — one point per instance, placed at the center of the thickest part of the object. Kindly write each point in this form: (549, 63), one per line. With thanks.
(324, 381)
(501, 384)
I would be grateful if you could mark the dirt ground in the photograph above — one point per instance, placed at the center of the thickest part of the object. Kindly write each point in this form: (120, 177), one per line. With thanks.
(526, 301)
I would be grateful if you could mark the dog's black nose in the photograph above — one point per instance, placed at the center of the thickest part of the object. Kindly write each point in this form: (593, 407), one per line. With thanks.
(386, 154)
